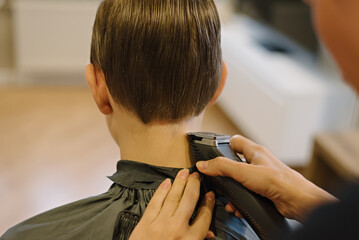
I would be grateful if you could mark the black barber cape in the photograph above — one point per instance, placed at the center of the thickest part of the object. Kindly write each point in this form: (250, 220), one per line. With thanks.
(114, 214)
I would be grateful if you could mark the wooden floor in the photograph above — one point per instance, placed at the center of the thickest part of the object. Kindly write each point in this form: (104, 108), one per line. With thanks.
(55, 148)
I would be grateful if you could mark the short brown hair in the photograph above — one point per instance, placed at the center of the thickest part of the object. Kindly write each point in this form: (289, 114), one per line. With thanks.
(161, 59)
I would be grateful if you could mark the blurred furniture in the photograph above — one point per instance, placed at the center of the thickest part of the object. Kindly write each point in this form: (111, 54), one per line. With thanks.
(277, 94)
(335, 160)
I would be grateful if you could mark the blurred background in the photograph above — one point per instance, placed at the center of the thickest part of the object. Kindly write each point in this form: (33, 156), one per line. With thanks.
(283, 91)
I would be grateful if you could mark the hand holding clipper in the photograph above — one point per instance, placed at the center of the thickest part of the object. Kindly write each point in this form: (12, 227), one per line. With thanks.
(258, 211)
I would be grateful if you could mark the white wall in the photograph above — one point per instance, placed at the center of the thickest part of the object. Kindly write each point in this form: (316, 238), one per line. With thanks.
(52, 38)
(280, 100)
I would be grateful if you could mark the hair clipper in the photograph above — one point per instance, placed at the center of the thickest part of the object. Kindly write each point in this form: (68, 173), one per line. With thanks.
(259, 212)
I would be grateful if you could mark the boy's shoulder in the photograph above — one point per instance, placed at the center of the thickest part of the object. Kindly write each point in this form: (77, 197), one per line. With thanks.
(93, 217)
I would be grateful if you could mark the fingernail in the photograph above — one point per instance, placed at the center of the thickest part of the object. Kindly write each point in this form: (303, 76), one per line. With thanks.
(210, 196)
(166, 184)
(184, 173)
(203, 165)
(196, 175)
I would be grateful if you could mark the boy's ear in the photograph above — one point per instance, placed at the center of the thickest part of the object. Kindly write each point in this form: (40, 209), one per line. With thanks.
(97, 82)
(221, 84)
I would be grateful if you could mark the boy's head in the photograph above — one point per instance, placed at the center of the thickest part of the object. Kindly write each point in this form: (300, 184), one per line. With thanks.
(161, 58)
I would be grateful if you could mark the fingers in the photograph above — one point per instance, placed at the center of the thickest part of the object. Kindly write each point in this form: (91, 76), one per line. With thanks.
(224, 167)
(175, 194)
(254, 153)
(238, 214)
(230, 208)
(155, 205)
(210, 235)
(203, 219)
(251, 151)
(190, 197)
(241, 144)
(253, 177)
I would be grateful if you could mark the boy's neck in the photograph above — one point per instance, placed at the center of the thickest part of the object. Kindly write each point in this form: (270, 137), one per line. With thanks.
(156, 144)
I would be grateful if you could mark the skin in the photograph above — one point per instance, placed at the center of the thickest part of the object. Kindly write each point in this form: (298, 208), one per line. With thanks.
(292, 194)
(336, 22)
(162, 144)
(173, 207)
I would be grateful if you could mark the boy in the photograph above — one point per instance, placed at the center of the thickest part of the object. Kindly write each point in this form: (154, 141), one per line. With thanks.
(155, 66)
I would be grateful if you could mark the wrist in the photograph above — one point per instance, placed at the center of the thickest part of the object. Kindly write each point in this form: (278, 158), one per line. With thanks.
(299, 197)
(312, 198)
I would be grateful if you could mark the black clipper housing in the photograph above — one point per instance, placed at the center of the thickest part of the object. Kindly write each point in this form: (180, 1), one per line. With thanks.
(259, 212)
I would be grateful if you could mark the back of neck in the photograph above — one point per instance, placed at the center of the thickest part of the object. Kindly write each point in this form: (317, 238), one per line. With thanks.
(157, 144)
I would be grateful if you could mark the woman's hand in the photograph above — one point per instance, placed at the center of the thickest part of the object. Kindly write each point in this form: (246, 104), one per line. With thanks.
(168, 213)
(293, 195)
